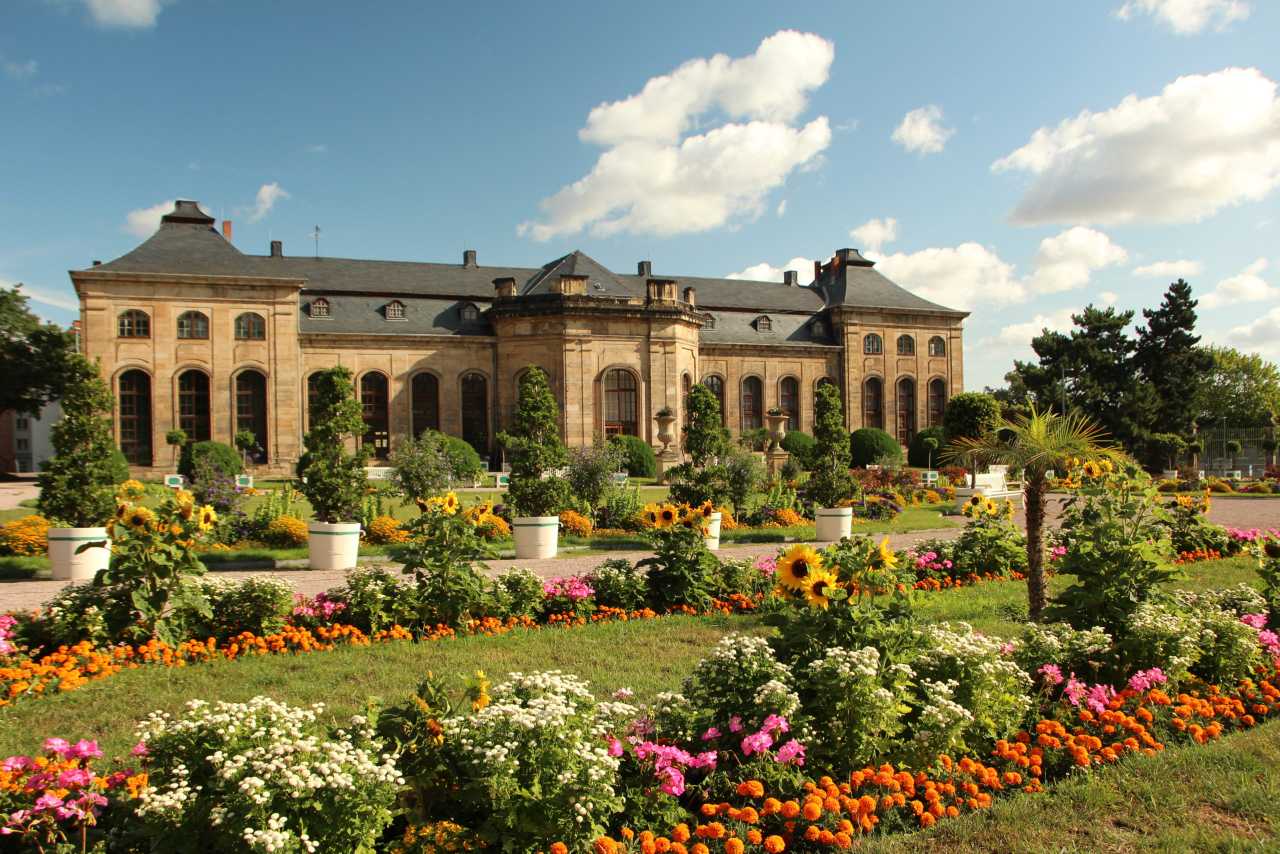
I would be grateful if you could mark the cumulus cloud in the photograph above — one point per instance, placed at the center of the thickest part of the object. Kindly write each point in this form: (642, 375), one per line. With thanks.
(1065, 262)
(65, 301)
(143, 222)
(662, 174)
(19, 70)
(922, 131)
(766, 272)
(1108, 297)
(955, 276)
(1187, 17)
(268, 195)
(1246, 286)
(873, 234)
(1017, 336)
(1262, 335)
(782, 208)
(1205, 142)
(126, 14)
(1170, 269)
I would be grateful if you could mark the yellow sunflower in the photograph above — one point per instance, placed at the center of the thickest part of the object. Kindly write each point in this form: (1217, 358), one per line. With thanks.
(991, 507)
(668, 515)
(450, 504)
(818, 587)
(797, 565)
(139, 518)
(1107, 466)
(883, 556)
(707, 509)
(122, 510)
(208, 518)
(1092, 470)
(650, 515)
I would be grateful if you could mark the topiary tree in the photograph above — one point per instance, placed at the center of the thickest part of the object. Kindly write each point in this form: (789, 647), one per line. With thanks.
(209, 457)
(1168, 446)
(175, 439)
(872, 446)
(800, 446)
(970, 415)
(830, 482)
(637, 457)
(536, 450)
(334, 479)
(1233, 448)
(77, 486)
(245, 442)
(923, 445)
(704, 436)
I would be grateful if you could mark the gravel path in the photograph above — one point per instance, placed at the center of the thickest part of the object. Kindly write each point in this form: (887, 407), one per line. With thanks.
(1241, 513)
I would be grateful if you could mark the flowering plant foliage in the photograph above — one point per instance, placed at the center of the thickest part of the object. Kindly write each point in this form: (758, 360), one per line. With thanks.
(990, 542)
(1267, 550)
(443, 543)
(570, 594)
(682, 570)
(263, 776)
(25, 537)
(861, 702)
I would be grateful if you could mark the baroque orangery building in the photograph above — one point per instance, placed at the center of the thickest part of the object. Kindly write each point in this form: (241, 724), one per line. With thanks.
(194, 334)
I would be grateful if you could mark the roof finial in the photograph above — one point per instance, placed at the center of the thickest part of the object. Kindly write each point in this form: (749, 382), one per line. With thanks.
(316, 235)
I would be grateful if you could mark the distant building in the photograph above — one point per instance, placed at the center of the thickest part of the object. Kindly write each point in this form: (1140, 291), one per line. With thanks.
(193, 333)
(25, 439)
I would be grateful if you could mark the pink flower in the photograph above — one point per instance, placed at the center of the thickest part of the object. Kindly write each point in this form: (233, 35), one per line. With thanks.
(1145, 680)
(711, 733)
(1006, 648)
(757, 742)
(139, 749)
(58, 746)
(615, 747)
(47, 802)
(1099, 695)
(17, 763)
(775, 722)
(791, 753)
(1075, 690)
(735, 724)
(672, 781)
(1052, 673)
(74, 777)
(706, 759)
(767, 564)
(84, 749)
(1258, 621)
(623, 694)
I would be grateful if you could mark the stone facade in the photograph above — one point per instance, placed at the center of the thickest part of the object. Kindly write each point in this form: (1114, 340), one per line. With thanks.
(230, 340)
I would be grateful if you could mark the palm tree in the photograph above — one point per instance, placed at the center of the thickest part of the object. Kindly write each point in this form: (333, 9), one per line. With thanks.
(1038, 445)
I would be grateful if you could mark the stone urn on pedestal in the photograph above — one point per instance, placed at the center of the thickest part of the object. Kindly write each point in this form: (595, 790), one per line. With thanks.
(776, 420)
(667, 456)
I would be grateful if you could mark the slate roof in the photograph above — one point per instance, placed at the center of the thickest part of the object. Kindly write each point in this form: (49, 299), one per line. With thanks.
(187, 243)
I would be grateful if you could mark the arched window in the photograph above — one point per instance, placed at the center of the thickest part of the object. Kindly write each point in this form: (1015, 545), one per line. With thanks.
(789, 401)
(872, 344)
(426, 403)
(686, 386)
(313, 398)
(394, 310)
(320, 307)
(469, 313)
(193, 405)
(752, 403)
(906, 410)
(764, 323)
(373, 402)
(873, 403)
(250, 327)
(620, 403)
(906, 345)
(134, 394)
(937, 346)
(716, 385)
(193, 324)
(251, 411)
(475, 412)
(133, 324)
(937, 401)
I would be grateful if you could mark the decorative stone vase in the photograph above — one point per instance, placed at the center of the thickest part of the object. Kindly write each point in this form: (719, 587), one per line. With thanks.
(665, 436)
(777, 430)
(833, 523)
(64, 562)
(333, 545)
(536, 536)
(713, 531)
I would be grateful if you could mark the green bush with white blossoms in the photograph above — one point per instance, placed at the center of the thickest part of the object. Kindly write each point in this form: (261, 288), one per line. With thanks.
(741, 678)
(263, 776)
(863, 702)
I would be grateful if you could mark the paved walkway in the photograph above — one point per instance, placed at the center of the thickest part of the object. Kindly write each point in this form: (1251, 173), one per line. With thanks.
(13, 492)
(1242, 513)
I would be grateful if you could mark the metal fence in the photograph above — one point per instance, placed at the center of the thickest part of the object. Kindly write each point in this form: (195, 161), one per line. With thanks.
(1252, 458)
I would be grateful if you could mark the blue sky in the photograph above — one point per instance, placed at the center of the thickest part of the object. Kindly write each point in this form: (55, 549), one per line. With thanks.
(1019, 160)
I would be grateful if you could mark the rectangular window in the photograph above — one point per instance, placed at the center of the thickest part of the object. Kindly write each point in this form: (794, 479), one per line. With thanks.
(23, 444)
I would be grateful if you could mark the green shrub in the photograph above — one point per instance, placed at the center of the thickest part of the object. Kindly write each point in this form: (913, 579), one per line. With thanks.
(919, 454)
(334, 480)
(591, 472)
(77, 486)
(536, 450)
(621, 509)
(464, 462)
(209, 456)
(800, 446)
(637, 457)
(872, 446)
(971, 414)
(432, 463)
(518, 593)
(259, 605)
(830, 482)
(743, 473)
(618, 584)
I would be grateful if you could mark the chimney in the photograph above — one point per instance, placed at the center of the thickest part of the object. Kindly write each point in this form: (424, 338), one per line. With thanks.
(505, 286)
(226, 230)
(691, 296)
(853, 258)
(97, 263)
(660, 290)
(277, 249)
(817, 270)
(469, 258)
(571, 284)
(645, 269)
(791, 278)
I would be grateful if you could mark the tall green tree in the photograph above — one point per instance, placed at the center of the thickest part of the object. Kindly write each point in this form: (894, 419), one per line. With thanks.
(536, 450)
(35, 356)
(1240, 390)
(77, 486)
(830, 482)
(1170, 359)
(333, 479)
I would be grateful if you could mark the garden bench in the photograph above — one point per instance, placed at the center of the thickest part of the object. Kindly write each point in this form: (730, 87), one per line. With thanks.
(993, 483)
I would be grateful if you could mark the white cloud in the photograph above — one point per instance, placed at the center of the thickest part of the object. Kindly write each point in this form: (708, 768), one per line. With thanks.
(1205, 142)
(1246, 286)
(782, 208)
(126, 14)
(1017, 336)
(143, 222)
(1170, 269)
(1187, 17)
(955, 276)
(766, 272)
(1108, 297)
(65, 301)
(1065, 262)
(19, 70)
(1262, 335)
(874, 234)
(268, 195)
(922, 131)
(656, 176)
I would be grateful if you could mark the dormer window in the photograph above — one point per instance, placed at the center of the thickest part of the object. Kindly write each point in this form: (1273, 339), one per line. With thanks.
(394, 310)
(320, 307)
(709, 322)
(764, 324)
(469, 313)
(818, 329)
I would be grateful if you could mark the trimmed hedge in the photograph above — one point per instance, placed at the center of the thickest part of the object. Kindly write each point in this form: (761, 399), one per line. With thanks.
(918, 454)
(800, 445)
(222, 457)
(638, 457)
(873, 446)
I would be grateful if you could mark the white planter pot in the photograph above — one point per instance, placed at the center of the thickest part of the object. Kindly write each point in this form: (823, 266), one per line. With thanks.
(333, 545)
(713, 531)
(66, 565)
(1169, 474)
(536, 536)
(833, 523)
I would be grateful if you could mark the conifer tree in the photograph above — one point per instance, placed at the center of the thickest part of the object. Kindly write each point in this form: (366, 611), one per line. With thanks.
(536, 450)
(77, 486)
(1169, 357)
(334, 479)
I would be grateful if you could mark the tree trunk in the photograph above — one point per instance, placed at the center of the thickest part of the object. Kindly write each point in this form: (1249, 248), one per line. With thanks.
(1033, 497)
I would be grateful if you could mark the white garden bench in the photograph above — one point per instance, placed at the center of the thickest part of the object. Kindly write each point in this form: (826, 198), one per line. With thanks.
(993, 483)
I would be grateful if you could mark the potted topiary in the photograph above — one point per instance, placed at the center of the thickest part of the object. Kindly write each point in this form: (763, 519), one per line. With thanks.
(537, 492)
(830, 486)
(1233, 448)
(333, 480)
(77, 486)
(245, 443)
(704, 480)
(175, 439)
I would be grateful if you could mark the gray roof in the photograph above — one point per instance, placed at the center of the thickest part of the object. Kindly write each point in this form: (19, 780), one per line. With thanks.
(740, 327)
(187, 243)
(363, 314)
